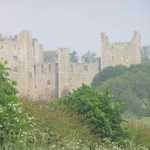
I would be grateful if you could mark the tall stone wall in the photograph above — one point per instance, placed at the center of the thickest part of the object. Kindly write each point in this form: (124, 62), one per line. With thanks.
(72, 75)
(38, 79)
(82, 74)
(25, 60)
(63, 71)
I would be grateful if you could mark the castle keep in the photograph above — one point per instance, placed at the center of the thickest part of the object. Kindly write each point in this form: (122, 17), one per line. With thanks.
(42, 75)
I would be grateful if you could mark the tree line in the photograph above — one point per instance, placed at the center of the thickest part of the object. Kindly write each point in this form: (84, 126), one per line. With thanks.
(88, 57)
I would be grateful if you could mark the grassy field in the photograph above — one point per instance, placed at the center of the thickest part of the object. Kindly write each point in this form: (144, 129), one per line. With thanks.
(73, 134)
(59, 119)
(140, 130)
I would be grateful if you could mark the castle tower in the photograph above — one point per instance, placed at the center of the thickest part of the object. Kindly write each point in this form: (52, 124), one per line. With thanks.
(24, 40)
(120, 53)
(25, 54)
(104, 39)
(37, 52)
(63, 71)
(136, 46)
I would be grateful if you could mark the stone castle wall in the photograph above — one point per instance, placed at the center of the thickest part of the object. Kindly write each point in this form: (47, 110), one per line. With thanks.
(25, 60)
(72, 75)
(37, 79)
(40, 79)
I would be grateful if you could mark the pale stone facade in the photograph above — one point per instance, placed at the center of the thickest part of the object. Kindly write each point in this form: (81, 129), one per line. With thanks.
(43, 77)
(120, 53)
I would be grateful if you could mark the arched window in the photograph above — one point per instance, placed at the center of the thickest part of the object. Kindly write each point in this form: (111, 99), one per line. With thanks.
(42, 68)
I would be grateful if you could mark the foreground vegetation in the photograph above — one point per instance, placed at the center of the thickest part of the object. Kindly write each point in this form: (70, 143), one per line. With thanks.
(83, 120)
(64, 129)
(98, 109)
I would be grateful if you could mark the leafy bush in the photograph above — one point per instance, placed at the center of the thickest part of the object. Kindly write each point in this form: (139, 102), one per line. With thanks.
(99, 110)
(12, 121)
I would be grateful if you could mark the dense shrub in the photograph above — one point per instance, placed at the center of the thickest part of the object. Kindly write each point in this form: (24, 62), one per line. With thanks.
(99, 110)
(12, 121)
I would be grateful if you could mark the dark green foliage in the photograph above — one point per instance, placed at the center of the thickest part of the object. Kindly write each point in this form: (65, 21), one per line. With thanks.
(109, 72)
(132, 86)
(89, 57)
(99, 110)
(145, 53)
(12, 120)
(50, 56)
(74, 57)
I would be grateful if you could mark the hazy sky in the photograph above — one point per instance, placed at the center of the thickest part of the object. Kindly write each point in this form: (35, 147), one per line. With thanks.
(76, 24)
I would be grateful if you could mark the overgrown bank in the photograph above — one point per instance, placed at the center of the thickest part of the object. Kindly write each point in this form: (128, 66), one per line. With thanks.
(83, 120)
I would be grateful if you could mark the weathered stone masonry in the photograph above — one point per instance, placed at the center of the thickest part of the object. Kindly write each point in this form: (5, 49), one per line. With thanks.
(124, 53)
(43, 75)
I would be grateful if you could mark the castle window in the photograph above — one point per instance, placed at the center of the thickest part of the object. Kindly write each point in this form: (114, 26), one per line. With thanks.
(42, 68)
(112, 57)
(49, 67)
(35, 69)
(48, 82)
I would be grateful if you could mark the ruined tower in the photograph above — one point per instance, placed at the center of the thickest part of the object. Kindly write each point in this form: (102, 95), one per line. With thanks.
(120, 53)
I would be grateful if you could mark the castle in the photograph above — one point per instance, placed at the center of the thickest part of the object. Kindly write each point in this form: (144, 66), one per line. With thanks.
(120, 53)
(43, 75)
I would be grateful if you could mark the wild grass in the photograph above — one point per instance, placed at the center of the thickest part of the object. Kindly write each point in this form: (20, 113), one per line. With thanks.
(140, 130)
(56, 117)
(57, 128)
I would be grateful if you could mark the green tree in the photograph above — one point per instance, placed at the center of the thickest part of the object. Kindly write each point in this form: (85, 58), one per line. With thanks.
(99, 110)
(74, 57)
(145, 53)
(108, 73)
(12, 121)
(89, 57)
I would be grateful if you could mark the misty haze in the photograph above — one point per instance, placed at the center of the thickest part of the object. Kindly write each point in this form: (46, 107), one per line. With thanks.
(75, 75)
